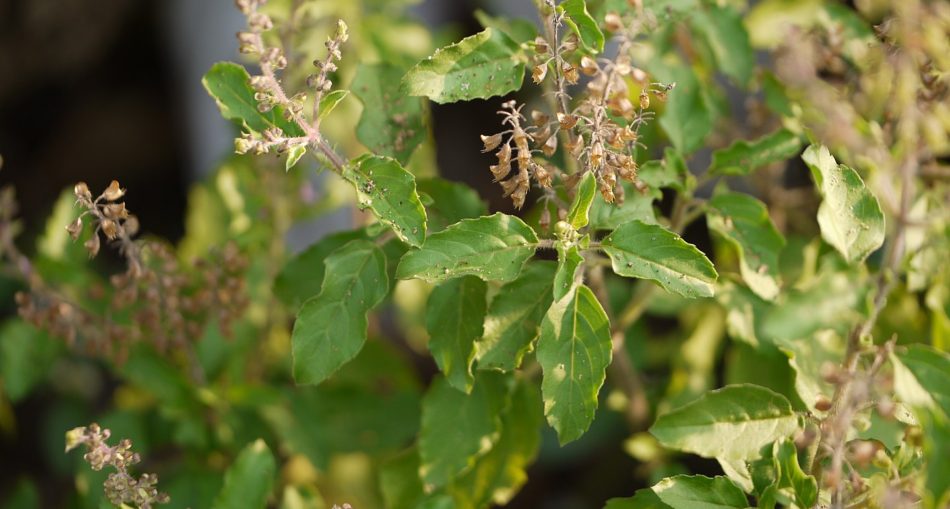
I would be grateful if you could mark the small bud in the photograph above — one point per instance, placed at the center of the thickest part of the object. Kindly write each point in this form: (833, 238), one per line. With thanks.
(628, 134)
(113, 192)
(550, 146)
(589, 66)
(538, 73)
(540, 118)
(500, 171)
(545, 220)
(567, 121)
(131, 225)
(491, 142)
(596, 154)
(110, 228)
(644, 100)
(92, 245)
(115, 211)
(75, 228)
(81, 190)
(74, 437)
(541, 45)
(504, 154)
(822, 403)
(612, 22)
(570, 73)
(542, 175)
(569, 44)
(342, 31)
(886, 408)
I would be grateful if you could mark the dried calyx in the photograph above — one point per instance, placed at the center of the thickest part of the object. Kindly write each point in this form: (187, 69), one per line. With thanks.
(270, 93)
(120, 487)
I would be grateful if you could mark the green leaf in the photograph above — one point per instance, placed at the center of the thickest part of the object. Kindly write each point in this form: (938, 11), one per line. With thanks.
(484, 65)
(804, 487)
(671, 172)
(498, 475)
(494, 248)
(583, 24)
(830, 302)
(383, 186)
(724, 33)
(689, 113)
(330, 101)
(850, 216)
(685, 492)
(579, 214)
(569, 260)
(25, 355)
(392, 123)
(637, 206)
(454, 317)
(650, 251)
(229, 85)
(452, 202)
(249, 480)
(732, 422)
(294, 155)
(574, 351)
(518, 29)
(514, 317)
(744, 157)
(459, 428)
(331, 328)
(744, 222)
(806, 356)
(922, 377)
(302, 276)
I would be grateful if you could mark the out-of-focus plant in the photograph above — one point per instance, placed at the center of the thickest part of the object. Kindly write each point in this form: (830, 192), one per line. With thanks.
(805, 351)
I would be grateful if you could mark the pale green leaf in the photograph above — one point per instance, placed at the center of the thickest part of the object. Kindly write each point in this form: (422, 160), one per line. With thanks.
(451, 202)
(804, 487)
(830, 302)
(850, 216)
(229, 85)
(650, 251)
(497, 476)
(454, 317)
(392, 123)
(637, 206)
(483, 65)
(671, 172)
(520, 30)
(459, 428)
(249, 481)
(331, 328)
(686, 492)
(744, 222)
(922, 377)
(583, 24)
(806, 356)
(744, 157)
(721, 28)
(579, 214)
(494, 248)
(732, 422)
(574, 351)
(330, 101)
(514, 317)
(294, 155)
(386, 188)
(569, 261)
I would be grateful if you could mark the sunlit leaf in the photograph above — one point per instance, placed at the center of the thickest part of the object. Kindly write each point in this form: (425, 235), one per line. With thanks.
(386, 188)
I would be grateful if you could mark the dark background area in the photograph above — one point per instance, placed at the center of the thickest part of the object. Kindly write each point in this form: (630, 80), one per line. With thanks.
(94, 90)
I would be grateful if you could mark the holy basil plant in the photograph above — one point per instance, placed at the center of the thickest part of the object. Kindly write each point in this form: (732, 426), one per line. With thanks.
(725, 257)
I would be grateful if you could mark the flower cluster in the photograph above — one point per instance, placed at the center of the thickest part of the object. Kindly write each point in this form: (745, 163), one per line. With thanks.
(120, 487)
(111, 219)
(270, 93)
(517, 186)
(598, 133)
